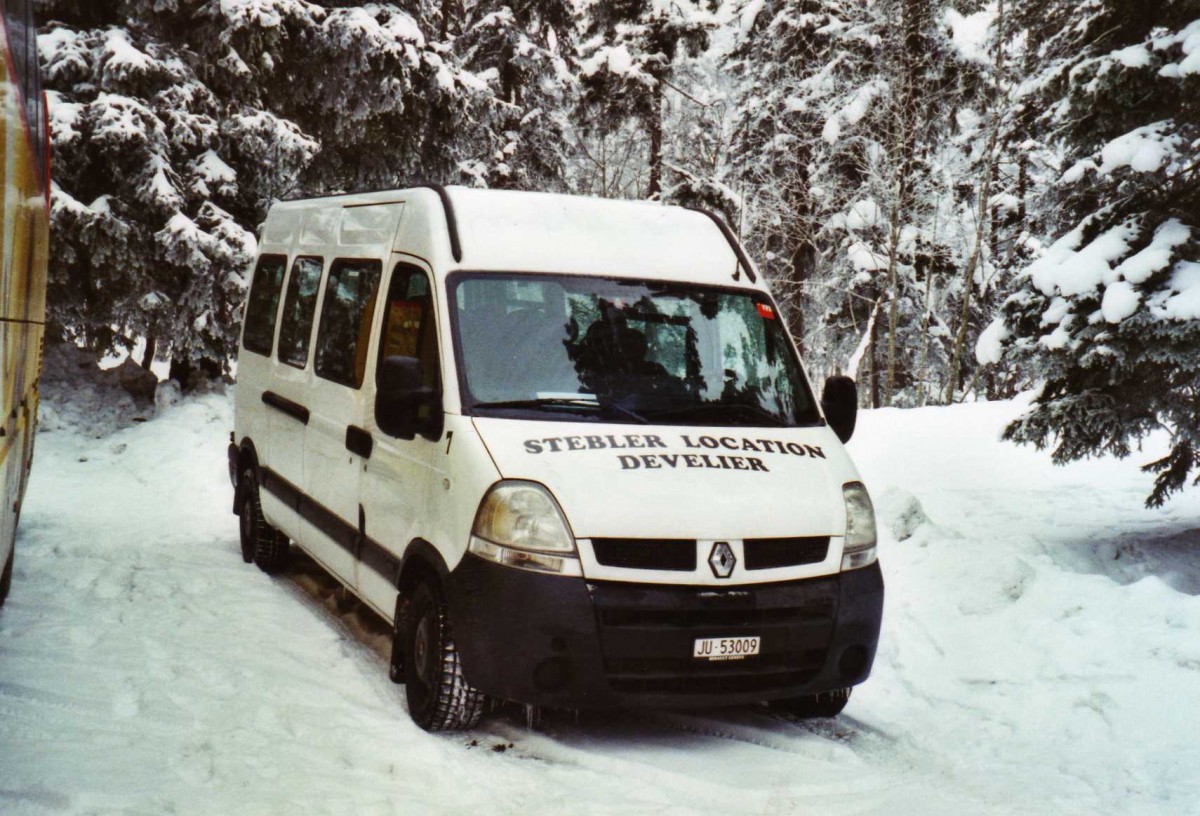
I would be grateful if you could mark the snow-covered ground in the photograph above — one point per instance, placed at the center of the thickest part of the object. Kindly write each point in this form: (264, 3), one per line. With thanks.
(1041, 654)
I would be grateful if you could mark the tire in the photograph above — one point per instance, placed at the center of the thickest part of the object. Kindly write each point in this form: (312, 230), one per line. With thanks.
(396, 664)
(824, 704)
(439, 697)
(6, 576)
(261, 543)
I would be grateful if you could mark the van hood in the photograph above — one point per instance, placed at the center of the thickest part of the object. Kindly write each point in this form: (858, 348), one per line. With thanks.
(643, 481)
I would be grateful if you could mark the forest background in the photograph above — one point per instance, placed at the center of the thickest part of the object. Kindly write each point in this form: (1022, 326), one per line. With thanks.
(954, 199)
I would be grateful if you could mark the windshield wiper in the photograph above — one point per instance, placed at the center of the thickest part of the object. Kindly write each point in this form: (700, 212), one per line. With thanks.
(709, 408)
(561, 403)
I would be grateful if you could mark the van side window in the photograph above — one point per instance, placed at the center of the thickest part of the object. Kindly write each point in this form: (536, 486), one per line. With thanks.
(345, 324)
(263, 304)
(298, 307)
(410, 326)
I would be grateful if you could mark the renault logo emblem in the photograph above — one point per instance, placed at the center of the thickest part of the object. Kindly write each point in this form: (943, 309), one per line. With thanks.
(722, 560)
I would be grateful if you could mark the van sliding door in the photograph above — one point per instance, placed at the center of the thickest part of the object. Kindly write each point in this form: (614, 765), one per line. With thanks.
(336, 446)
(286, 399)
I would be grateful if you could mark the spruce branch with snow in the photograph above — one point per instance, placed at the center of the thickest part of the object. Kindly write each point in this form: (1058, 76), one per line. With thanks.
(144, 175)
(1108, 318)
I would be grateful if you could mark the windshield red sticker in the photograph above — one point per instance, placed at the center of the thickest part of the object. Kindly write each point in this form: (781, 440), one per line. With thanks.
(655, 461)
(765, 311)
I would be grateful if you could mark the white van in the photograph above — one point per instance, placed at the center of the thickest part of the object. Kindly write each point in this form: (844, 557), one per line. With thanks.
(565, 445)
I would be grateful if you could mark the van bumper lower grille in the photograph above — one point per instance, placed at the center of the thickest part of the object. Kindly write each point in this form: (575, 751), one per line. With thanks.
(647, 635)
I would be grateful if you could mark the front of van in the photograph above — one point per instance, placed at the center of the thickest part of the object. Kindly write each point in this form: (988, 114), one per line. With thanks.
(675, 522)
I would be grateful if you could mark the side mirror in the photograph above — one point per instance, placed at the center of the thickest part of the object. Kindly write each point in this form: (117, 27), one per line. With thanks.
(401, 396)
(839, 401)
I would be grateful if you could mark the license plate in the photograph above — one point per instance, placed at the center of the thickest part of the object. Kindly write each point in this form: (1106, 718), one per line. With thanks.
(725, 648)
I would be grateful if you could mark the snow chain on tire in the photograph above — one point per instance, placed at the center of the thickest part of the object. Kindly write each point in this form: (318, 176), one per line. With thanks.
(449, 703)
(267, 546)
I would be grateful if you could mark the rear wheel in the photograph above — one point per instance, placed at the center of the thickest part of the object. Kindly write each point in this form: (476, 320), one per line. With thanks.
(261, 543)
(439, 697)
(824, 704)
(6, 576)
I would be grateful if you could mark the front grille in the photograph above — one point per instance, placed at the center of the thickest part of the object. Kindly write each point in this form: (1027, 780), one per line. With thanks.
(646, 553)
(716, 618)
(772, 553)
(647, 635)
(689, 676)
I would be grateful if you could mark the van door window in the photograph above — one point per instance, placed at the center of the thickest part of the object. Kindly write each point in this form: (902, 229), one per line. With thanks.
(262, 306)
(298, 308)
(409, 328)
(345, 324)
(410, 325)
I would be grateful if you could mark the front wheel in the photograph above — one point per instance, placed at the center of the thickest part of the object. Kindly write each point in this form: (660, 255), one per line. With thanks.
(439, 697)
(824, 704)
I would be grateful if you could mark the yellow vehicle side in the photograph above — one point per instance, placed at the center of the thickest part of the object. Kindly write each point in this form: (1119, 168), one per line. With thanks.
(24, 245)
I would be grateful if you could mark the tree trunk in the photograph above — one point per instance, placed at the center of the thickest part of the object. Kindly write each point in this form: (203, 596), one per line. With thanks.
(798, 240)
(151, 347)
(873, 360)
(912, 14)
(654, 191)
(923, 364)
(893, 307)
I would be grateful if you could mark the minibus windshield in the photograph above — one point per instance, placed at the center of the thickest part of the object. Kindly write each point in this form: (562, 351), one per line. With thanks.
(616, 350)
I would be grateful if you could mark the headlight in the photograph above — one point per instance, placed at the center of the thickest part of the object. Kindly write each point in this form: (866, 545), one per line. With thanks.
(520, 525)
(859, 549)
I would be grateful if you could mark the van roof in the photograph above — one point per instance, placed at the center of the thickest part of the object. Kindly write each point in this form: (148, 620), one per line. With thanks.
(506, 230)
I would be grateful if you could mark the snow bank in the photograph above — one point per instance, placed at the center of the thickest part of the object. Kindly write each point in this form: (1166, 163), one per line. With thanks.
(1044, 642)
(79, 397)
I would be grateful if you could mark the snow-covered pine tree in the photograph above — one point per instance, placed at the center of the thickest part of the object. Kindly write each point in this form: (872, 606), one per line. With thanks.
(627, 59)
(1108, 318)
(521, 50)
(790, 82)
(697, 133)
(1023, 160)
(978, 154)
(388, 99)
(150, 166)
(177, 122)
(837, 117)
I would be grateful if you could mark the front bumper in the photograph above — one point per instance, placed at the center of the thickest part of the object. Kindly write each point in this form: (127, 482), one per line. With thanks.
(573, 643)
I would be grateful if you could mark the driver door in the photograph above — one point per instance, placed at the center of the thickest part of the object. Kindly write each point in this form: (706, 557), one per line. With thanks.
(397, 477)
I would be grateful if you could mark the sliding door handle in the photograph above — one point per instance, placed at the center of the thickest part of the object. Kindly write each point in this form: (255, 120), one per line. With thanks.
(359, 441)
(293, 409)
